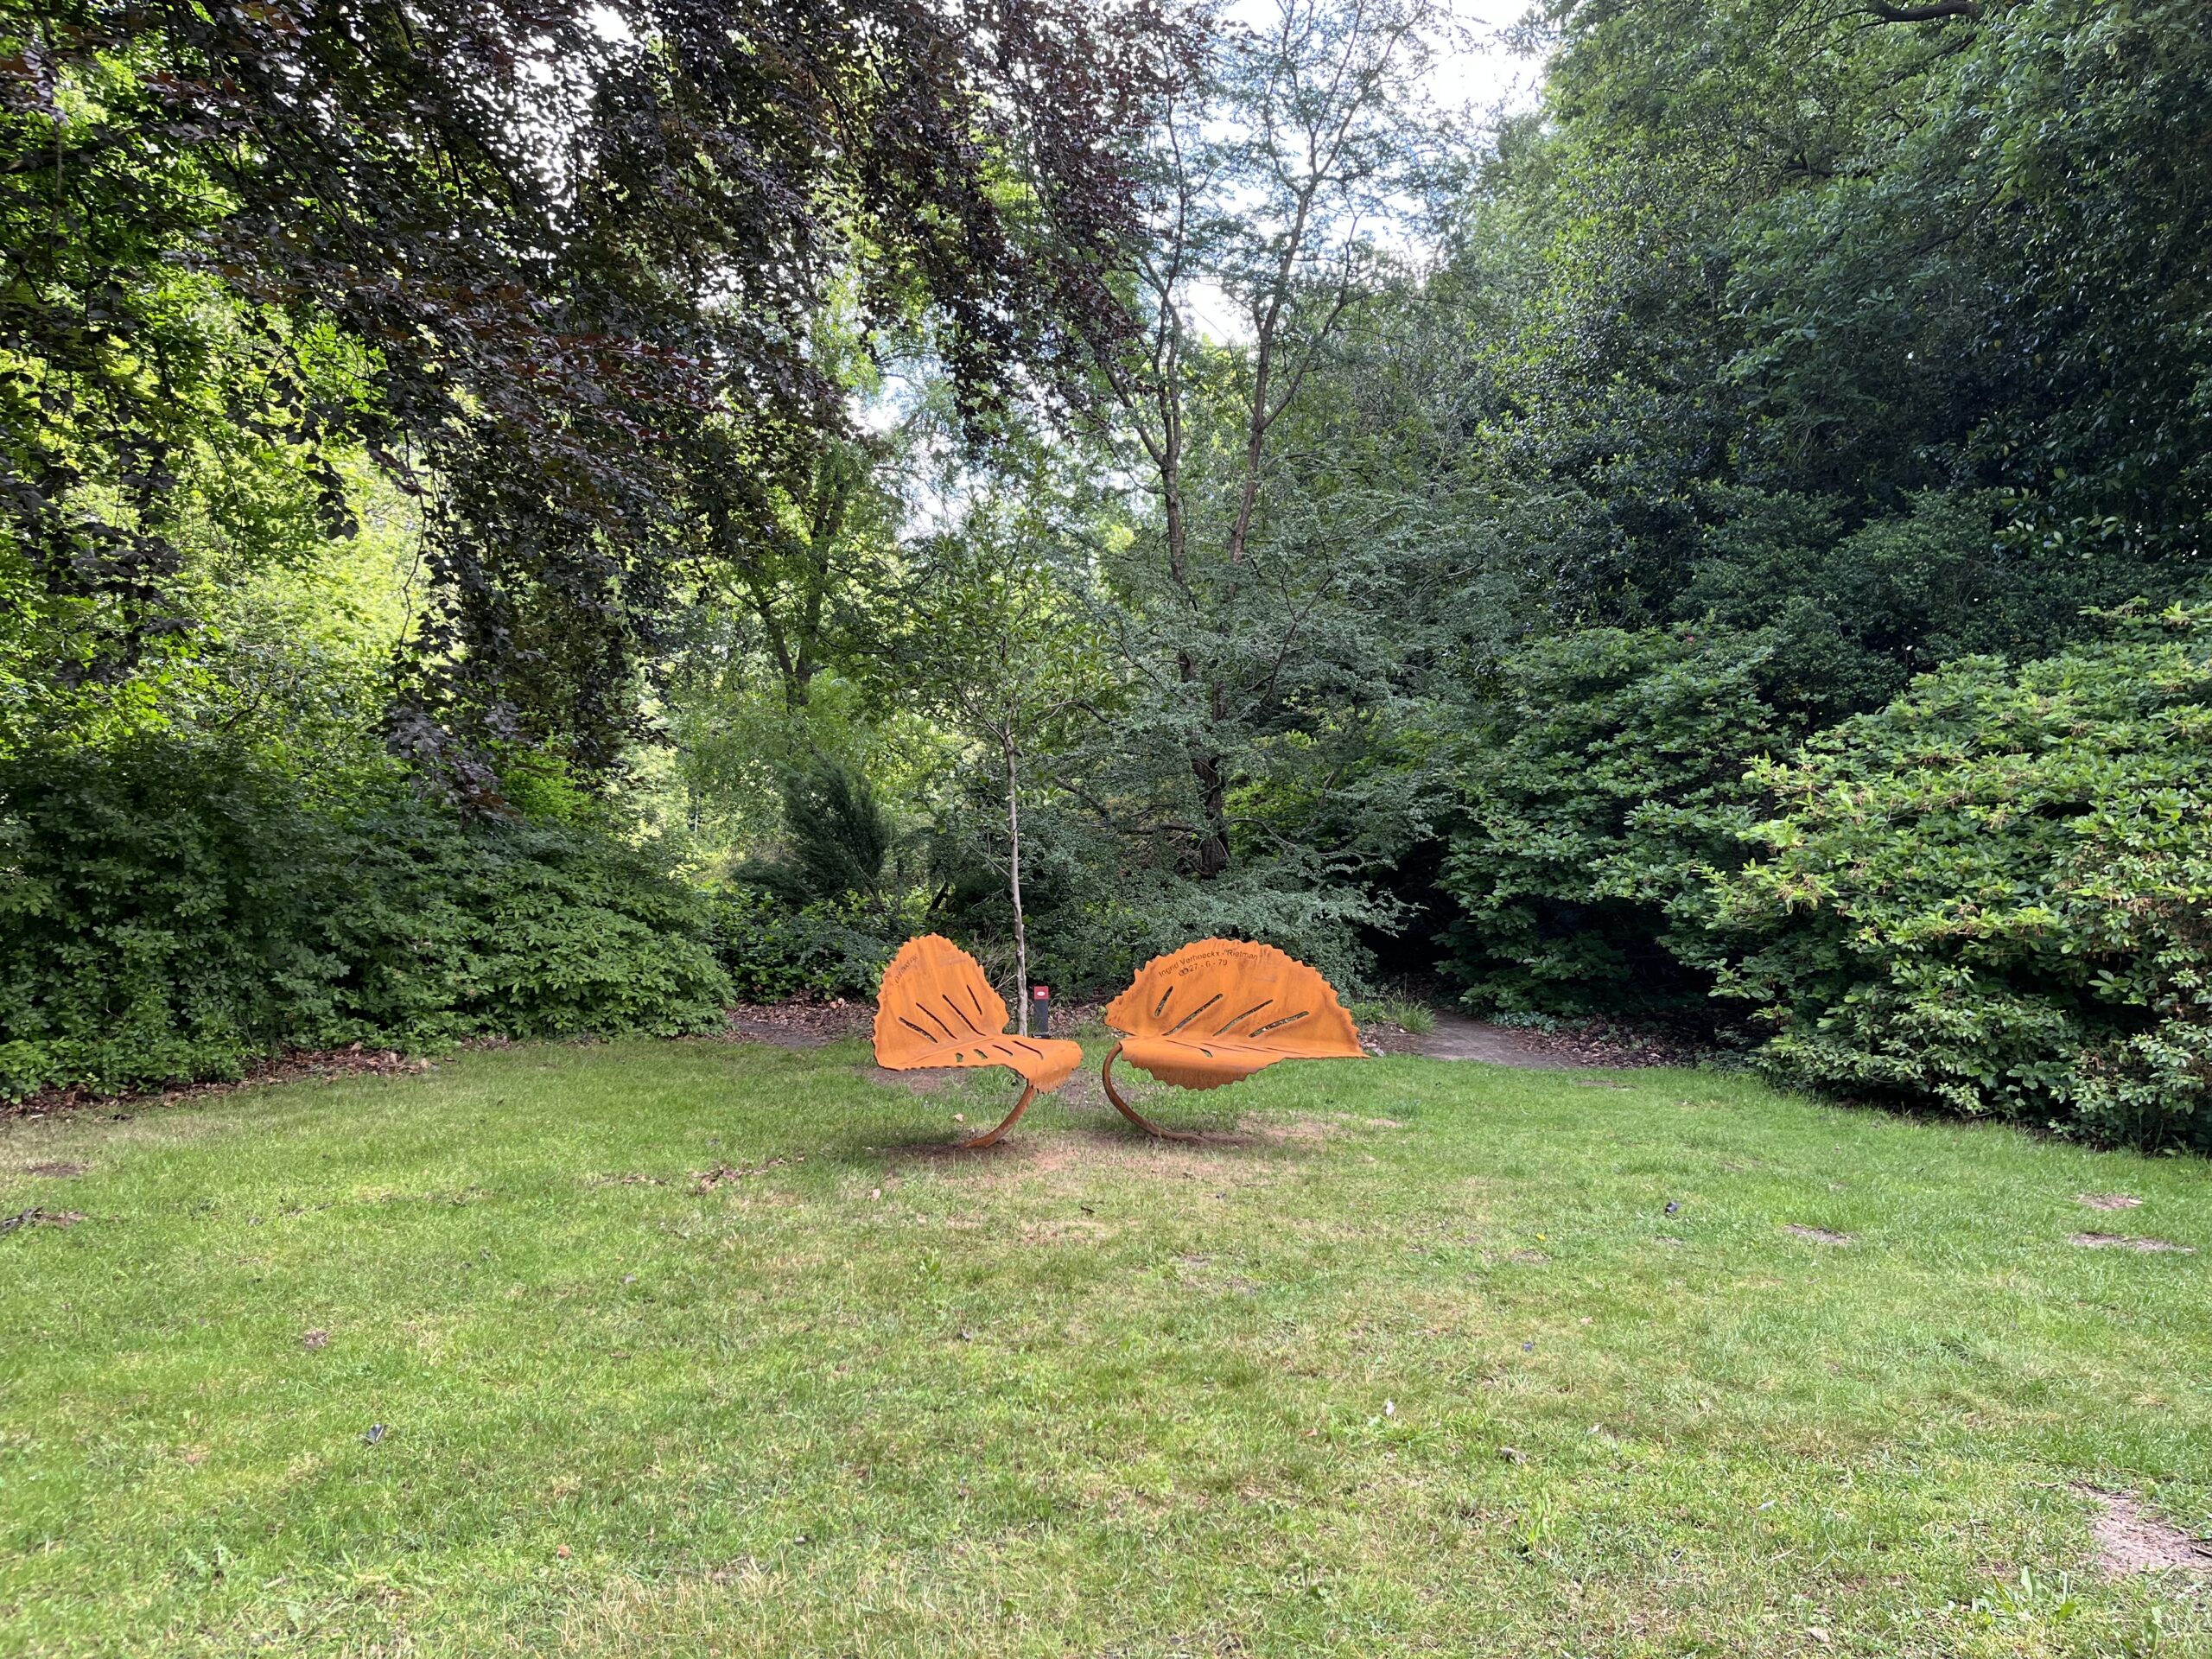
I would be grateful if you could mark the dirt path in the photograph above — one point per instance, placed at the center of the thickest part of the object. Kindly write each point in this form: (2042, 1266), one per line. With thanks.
(1568, 1048)
(1457, 1038)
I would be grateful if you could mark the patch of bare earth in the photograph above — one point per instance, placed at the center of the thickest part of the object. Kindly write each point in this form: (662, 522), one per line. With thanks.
(1820, 1235)
(1252, 1131)
(1382, 1036)
(56, 1170)
(706, 1181)
(2107, 1200)
(798, 1025)
(1028, 1155)
(41, 1219)
(1595, 1044)
(2123, 1241)
(2130, 1539)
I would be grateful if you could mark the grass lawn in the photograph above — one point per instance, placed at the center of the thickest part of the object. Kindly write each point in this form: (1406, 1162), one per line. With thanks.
(1425, 1364)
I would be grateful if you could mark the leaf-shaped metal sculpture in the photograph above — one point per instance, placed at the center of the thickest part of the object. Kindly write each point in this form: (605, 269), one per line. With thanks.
(935, 1008)
(1219, 1010)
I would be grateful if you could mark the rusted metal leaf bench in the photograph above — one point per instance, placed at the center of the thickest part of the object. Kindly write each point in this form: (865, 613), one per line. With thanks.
(935, 1008)
(1216, 1012)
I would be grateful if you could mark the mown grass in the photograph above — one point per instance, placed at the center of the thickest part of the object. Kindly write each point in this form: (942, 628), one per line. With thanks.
(1423, 1365)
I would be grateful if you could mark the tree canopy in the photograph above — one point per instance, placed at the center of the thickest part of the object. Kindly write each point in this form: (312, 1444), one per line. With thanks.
(555, 267)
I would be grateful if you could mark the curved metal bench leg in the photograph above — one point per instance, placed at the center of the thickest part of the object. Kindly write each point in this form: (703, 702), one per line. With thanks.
(1106, 1076)
(992, 1137)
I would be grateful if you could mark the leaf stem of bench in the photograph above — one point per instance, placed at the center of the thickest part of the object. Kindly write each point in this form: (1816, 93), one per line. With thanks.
(1106, 1076)
(991, 1137)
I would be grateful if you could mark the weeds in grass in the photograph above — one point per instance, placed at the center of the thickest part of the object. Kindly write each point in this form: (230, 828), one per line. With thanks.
(1403, 1012)
(1526, 1020)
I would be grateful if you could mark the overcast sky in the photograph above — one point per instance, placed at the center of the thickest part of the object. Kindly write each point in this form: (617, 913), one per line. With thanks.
(1478, 75)
(1481, 73)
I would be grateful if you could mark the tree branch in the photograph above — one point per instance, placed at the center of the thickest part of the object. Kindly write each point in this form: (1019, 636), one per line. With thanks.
(1934, 12)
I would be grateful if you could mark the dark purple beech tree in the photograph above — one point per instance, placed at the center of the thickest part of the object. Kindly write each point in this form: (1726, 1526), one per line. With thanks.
(553, 263)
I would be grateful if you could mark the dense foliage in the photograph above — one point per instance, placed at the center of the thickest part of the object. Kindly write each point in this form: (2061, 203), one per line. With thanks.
(1997, 893)
(554, 264)
(1605, 778)
(174, 909)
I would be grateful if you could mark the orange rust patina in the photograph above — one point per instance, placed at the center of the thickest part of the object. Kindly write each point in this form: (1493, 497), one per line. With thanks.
(935, 1008)
(1218, 1011)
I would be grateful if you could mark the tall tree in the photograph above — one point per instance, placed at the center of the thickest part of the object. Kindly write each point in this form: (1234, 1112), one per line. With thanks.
(1825, 346)
(992, 637)
(1801, 263)
(1271, 184)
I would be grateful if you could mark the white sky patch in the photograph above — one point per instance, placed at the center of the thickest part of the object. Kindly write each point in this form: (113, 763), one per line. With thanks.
(1474, 78)
(1480, 74)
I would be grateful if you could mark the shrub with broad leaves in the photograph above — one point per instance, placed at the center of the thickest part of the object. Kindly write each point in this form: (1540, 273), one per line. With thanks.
(1995, 892)
(171, 909)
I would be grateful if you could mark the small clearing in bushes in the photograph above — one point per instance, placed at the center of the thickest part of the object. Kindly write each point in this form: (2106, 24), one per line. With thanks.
(1589, 1046)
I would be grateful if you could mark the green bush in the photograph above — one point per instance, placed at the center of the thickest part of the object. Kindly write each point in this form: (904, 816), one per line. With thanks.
(1099, 908)
(821, 918)
(169, 910)
(157, 915)
(775, 953)
(1996, 893)
(525, 930)
(1601, 779)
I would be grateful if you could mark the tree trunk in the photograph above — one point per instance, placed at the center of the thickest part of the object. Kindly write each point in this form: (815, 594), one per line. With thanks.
(1208, 767)
(1213, 804)
(1014, 888)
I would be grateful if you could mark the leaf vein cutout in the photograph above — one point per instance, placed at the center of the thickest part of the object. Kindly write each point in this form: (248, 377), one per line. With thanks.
(1192, 1014)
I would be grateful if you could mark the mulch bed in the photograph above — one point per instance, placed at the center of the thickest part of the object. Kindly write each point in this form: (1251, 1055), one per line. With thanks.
(1381, 1037)
(800, 1025)
(1603, 1043)
(1598, 1044)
